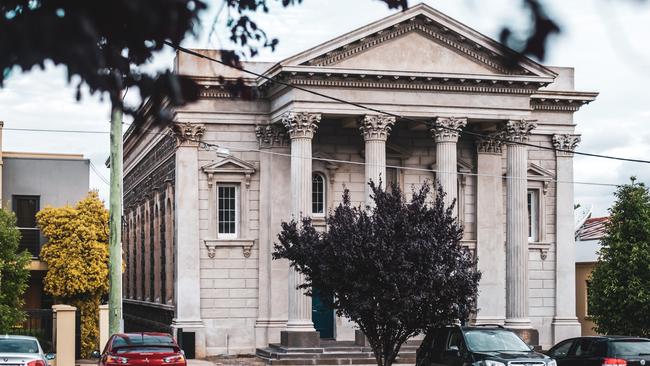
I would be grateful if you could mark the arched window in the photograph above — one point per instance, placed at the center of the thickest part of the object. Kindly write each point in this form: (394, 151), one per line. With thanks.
(318, 194)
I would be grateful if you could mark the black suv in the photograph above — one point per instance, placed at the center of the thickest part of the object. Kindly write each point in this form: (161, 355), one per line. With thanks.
(482, 346)
(602, 350)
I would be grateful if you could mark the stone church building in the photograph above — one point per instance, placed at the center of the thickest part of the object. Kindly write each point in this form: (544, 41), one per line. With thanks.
(200, 220)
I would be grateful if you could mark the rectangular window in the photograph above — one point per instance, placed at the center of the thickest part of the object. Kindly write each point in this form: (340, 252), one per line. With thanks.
(25, 208)
(533, 215)
(228, 210)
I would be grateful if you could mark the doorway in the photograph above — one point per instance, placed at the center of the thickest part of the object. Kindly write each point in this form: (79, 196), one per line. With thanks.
(322, 315)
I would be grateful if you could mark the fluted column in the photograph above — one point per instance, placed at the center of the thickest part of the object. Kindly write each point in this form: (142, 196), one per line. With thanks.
(375, 130)
(301, 128)
(515, 133)
(565, 323)
(445, 131)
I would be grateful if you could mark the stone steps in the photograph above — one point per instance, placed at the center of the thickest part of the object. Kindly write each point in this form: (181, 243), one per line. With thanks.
(330, 353)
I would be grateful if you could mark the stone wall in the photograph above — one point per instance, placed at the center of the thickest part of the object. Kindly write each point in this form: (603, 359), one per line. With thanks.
(147, 237)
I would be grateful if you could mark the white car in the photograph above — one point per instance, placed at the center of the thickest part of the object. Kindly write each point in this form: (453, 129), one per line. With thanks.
(22, 351)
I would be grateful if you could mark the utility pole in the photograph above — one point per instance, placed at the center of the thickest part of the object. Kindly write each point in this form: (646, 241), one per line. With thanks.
(115, 323)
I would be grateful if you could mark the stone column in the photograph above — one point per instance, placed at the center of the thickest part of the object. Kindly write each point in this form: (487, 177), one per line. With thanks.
(157, 259)
(301, 127)
(138, 255)
(445, 131)
(490, 249)
(147, 250)
(517, 228)
(375, 130)
(186, 237)
(565, 323)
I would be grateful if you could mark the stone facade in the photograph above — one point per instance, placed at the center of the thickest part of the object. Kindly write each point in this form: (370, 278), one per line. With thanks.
(242, 167)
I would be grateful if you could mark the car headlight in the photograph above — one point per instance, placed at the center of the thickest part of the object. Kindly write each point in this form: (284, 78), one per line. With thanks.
(491, 363)
(551, 363)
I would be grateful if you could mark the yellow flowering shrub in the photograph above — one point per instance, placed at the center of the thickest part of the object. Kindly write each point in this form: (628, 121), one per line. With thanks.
(77, 258)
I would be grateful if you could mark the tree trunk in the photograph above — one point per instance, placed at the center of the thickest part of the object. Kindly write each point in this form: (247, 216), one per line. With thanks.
(423, 355)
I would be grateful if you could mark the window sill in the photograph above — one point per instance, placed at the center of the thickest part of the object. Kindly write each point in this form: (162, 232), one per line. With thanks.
(245, 244)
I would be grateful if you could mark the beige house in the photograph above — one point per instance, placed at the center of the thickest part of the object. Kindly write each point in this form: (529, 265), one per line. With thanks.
(200, 221)
(588, 245)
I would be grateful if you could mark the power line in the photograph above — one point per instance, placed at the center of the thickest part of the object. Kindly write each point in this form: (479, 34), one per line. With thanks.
(216, 146)
(98, 174)
(372, 109)
(340, 161)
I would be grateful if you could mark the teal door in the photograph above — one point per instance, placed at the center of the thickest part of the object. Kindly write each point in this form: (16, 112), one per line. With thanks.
(322, 316)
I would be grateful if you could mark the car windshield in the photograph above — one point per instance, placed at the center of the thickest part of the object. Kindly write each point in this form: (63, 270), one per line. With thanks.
(488, 340)
(130, 340)
(145, 349)
(630, 347)
(13, 345)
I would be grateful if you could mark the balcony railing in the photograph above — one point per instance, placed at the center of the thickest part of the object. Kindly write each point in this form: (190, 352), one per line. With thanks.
(31, 240)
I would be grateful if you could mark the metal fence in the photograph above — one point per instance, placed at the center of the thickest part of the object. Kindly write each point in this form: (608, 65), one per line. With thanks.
(39, 323)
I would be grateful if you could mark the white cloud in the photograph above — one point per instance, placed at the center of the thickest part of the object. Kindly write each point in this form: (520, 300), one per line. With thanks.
(598, 39)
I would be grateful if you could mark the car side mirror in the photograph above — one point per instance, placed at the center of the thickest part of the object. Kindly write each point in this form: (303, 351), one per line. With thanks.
(95, 354)
(532, 348)
(50, 356)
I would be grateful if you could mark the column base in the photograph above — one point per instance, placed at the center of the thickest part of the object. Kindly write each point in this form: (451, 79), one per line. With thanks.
(299, 339)
(565, 328)
(487, 320)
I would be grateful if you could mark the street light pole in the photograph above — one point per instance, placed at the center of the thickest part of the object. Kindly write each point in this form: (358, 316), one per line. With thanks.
(115, 323)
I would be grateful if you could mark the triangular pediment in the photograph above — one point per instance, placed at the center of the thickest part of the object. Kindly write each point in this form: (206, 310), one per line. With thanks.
(229, 164)
(536, 172)
(420, 39)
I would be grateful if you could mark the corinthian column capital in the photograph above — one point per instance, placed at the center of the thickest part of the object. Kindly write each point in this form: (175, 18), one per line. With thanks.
(490, 144)
(376, 127)
(565, 144)
(447, 129)
(518, 130)
(301, 124)
(188, 133)
(271, 135)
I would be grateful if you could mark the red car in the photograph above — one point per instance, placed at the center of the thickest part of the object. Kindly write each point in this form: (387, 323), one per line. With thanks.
(140, 349)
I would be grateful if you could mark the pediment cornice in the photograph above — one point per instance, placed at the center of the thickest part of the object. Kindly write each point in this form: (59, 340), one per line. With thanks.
(432, 24)
(377, 79)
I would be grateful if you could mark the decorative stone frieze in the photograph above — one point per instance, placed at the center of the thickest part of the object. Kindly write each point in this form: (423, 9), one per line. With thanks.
(188, 133)
(490, 144)
(516, 131)
(301, 124)
(273, 135)
(376, 127)
(447, 129)
(565, 144)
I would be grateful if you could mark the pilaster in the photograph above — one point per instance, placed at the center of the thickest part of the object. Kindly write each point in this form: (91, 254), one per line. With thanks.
(275, 197)
(490, 249)
(186, 219)
(301, 127)
(517, 312)
(375, 130)
(565, 323)
(445, 132)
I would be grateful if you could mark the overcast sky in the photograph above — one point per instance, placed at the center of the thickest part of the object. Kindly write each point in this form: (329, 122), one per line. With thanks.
(606, 41)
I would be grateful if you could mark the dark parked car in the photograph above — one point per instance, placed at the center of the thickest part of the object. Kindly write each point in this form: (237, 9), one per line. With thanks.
(602, 350)
(134, 349)
(483, 346)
